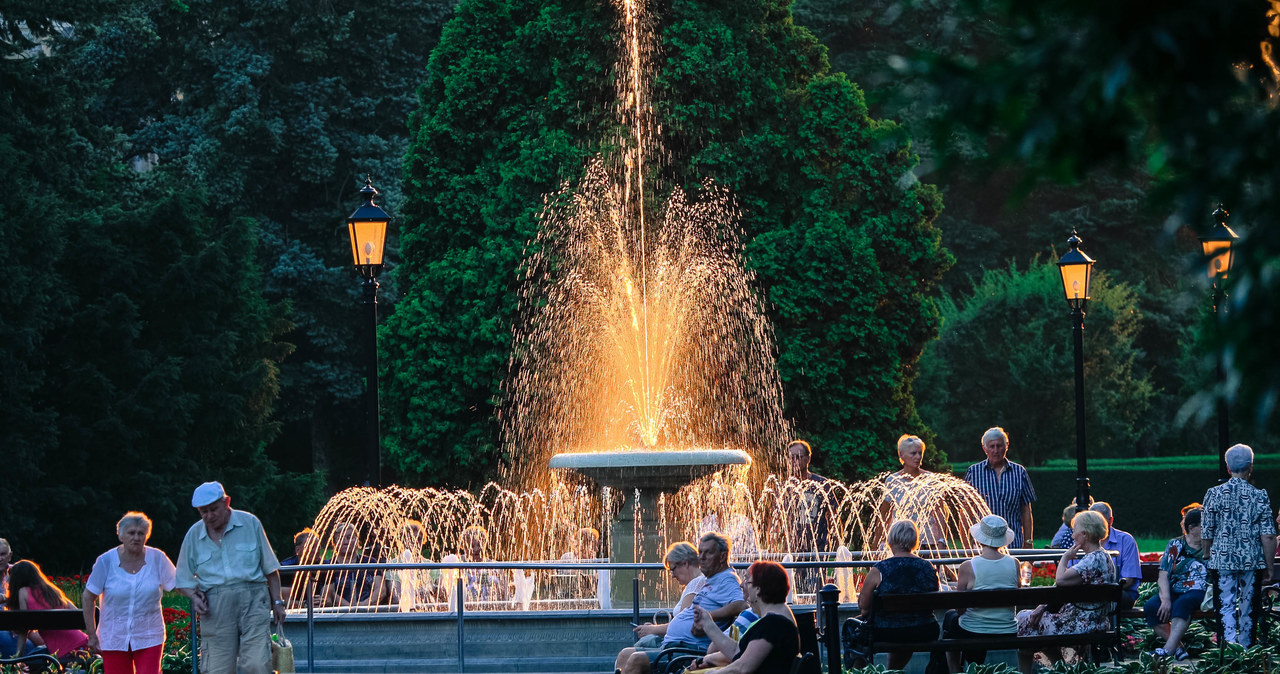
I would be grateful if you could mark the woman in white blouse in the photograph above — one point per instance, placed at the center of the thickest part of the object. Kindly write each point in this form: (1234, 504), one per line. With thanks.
(126, 582)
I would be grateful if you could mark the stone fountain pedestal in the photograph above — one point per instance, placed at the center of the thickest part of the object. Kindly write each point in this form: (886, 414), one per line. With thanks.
(643, 476)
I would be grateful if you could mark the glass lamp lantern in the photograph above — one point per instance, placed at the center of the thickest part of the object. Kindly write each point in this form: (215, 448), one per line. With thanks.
(1076, 268)
(1218, 245)
(368, 229)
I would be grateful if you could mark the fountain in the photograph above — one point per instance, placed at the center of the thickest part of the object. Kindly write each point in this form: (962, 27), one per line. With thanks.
(642, 399)
(642, 402)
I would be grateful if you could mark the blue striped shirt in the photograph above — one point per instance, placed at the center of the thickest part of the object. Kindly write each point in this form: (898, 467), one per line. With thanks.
(1005, 494)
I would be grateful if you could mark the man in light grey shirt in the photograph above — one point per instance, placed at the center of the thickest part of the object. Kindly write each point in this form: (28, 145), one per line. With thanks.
(227, 568)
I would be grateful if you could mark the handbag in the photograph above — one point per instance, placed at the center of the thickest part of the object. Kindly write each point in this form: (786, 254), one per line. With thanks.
(281, 652)
(1207, 603)
(855, 642)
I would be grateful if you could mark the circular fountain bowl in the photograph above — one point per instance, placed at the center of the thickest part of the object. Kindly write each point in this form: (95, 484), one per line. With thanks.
(646, 469)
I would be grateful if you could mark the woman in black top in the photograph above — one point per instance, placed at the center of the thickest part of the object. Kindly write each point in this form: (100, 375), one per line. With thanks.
(770, 645)
(902, 573)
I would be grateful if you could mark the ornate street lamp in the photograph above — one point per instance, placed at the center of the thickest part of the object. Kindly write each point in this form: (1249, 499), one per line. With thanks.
(368, 229)
(1076, 268)
(1218, 247)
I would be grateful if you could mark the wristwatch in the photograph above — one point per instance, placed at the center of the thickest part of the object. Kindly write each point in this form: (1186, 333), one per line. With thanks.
(278, 602)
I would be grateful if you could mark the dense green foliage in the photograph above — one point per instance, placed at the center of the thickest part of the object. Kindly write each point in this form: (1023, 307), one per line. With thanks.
(141, 357)
(1001, 212)
(1187, 94)
(518, 96)
(182, 171)
(1004, 357)
(279, 110)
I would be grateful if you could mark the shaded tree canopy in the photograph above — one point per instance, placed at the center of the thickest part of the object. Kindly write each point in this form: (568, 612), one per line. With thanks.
(1186, 92)
(519, 96)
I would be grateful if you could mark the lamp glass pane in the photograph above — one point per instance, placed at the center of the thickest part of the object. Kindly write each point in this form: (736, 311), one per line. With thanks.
(1219, 254)
(367, 239)
(1075, 282)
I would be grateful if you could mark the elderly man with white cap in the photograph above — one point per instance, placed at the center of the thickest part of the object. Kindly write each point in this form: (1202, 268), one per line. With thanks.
(227, 568)
(1238, 537)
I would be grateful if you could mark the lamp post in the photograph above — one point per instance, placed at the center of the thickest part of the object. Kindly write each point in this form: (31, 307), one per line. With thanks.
(1076, 267)
(368, 229)
(1218, 251)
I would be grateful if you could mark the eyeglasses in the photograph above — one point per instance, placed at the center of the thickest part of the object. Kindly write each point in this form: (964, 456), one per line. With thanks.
(672, 567)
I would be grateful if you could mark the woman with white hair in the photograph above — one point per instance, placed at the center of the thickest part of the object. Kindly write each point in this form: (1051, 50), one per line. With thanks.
(681, 561)
(1094, 568)
(126, 583)
(1239, 540)
(902, 573)
(910, 495)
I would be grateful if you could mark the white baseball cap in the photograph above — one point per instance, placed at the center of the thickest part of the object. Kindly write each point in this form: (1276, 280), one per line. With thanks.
(207, 493)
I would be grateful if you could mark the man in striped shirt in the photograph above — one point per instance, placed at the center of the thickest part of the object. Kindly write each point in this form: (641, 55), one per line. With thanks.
(1005, 486)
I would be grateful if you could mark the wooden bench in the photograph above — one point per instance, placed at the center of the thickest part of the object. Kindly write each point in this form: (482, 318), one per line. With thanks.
(25, 621)
(1021, 598)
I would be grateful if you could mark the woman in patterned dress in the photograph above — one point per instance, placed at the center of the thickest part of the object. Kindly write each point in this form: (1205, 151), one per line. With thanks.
(1183, 577)
(1239, 546)
(1095, 568)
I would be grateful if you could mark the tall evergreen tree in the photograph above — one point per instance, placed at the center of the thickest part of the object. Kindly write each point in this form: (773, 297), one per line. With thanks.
(142, 355)
(519, 95)
(279, 110)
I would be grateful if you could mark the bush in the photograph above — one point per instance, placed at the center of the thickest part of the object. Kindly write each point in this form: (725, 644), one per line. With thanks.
(1004, 357)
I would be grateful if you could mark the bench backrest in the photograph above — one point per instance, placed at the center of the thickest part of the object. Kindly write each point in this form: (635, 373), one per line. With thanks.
(55, 619)
(1027, 596)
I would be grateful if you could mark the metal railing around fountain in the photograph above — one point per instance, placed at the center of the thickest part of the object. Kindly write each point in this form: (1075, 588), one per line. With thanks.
(458, 609)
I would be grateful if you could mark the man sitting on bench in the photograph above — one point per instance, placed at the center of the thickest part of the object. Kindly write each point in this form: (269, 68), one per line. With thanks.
(721, 597)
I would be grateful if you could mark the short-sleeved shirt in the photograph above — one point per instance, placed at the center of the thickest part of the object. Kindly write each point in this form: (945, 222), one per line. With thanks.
(1062, 540)
(1185, 566)
(242, 556)
(1128, 564)
(720, 590)
(59, 642)
(131, 616)
(914, 500)
(905, 575)
(1005, 494)
(692, 588)
(782, 634)
(1236, 517)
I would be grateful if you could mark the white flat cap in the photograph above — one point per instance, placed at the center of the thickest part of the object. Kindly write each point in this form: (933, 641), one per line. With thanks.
(207, 493)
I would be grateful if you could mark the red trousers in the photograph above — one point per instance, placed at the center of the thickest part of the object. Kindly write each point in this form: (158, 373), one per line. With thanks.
(145, 661)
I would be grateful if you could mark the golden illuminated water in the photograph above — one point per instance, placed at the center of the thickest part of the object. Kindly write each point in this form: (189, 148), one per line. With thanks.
(639, 327)
(771, 522)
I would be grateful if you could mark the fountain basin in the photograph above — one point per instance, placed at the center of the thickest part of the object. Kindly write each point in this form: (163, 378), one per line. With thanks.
(664, 471)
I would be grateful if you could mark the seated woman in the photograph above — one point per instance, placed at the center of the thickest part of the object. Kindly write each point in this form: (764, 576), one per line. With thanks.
(902, 573)
(681, 561)
(1183, 576)
(990, 570)
(30, 590)
(411, 589)
(359, 587)
(1062, 539)
(770, 644)
(1095, 568)
(480, 585)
